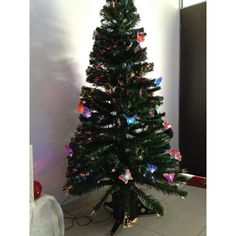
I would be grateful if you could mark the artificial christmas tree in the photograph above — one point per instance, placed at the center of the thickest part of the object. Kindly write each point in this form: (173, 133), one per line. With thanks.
(122, 140)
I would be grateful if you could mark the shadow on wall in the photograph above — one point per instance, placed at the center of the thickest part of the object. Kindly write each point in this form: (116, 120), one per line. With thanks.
(53, 96)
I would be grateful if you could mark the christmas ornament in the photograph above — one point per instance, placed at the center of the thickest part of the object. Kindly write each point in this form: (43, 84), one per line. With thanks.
(37, 189)
(74, 170)
(140, 93)
(84, 174)
(114, 3)
(79, 178)
(175, 154)
(98, 66)
(169, 177)
(152, 168)
(94, 34)
(134, 221)
(130, 120)
(151, 113)
(178, 156)
(140, 37)
(157, 82)
(140, 157)
(167, 129)
(88, 70)
(172, 152)
(111, 47)
(118, 121)
(80, 107)
(83, 109)
(68, 150)
(86, 112)
(166, 125)
(108, 87)
(126, 177)
(66, 189)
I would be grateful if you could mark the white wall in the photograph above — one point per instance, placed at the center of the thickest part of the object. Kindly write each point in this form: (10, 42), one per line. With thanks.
(160, 20)
(187, 3)
(61, 40)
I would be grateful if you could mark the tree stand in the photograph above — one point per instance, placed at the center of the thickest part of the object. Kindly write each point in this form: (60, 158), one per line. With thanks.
(117, 206)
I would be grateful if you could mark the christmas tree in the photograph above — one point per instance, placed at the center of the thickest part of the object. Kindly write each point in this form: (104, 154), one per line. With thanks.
(122, 141)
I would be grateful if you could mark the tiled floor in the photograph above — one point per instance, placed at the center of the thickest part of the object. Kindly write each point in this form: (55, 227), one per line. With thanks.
(182, 218)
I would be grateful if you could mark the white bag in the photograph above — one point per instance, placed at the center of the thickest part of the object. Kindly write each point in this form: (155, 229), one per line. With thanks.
(46, 217)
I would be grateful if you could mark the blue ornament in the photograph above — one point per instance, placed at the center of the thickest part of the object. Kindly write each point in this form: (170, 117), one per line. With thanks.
(157, 82)
(152, 168)
(130, 120)
(80, 178)
(78, 166)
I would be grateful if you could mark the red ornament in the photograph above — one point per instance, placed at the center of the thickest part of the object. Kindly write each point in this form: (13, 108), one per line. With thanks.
(98, 66)
(74, 170)
(175, 154)
(80, 107)
(166, 125)
(37, 189)
(140, 37)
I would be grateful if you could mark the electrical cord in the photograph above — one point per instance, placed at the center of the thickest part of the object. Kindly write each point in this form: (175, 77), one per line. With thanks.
(76, 217)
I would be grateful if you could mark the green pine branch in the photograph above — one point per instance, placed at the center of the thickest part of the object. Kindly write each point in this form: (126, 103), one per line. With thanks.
(104, 198)
(149, 201)
(165, 188)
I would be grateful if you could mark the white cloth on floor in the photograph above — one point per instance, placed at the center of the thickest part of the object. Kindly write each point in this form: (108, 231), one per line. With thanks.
(46, 217)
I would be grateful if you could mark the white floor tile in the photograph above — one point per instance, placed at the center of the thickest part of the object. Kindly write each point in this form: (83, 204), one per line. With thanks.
(104, 230)
(183, 218)
(175, 222)
(136, 230)
(195, 200)
(90, 230)
(203, 233)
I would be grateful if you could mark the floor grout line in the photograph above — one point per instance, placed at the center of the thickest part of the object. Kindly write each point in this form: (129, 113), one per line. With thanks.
(185, 209)
(202, 230)
(150, 230)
